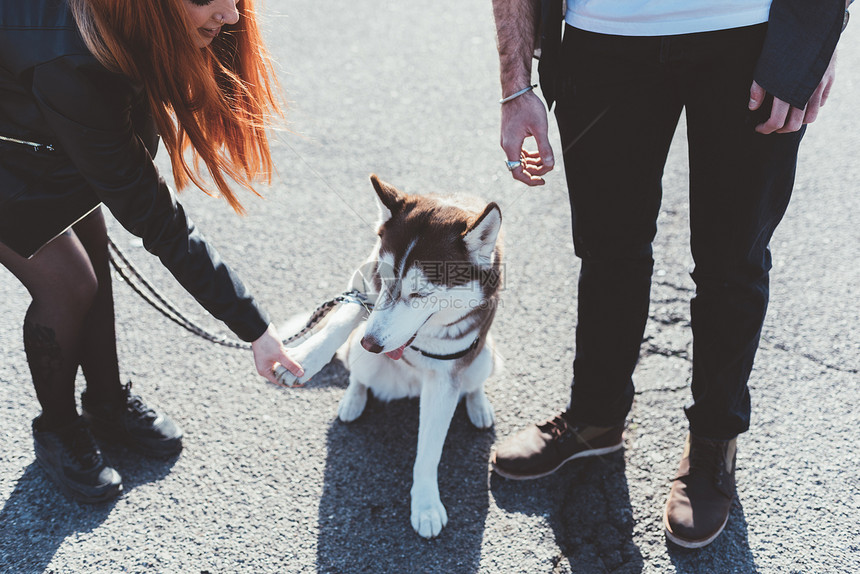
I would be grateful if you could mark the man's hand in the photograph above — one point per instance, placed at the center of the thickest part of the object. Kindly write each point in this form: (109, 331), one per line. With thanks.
(523, 118)
(785, 118)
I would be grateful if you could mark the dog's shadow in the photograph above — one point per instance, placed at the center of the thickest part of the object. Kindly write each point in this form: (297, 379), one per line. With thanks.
(36, 518)
(364, 512)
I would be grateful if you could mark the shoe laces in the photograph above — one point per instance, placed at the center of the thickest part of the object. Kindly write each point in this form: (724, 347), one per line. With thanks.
(135, 405)
(82, 446)
(555, 427)
(707, 457)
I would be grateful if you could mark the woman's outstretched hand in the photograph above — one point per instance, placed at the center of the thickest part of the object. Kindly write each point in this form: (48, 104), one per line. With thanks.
(269, 353)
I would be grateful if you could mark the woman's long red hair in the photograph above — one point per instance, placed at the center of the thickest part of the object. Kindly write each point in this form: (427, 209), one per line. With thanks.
(217, 100)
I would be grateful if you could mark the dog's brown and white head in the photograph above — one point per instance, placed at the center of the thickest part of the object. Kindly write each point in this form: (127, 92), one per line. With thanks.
(439, 261)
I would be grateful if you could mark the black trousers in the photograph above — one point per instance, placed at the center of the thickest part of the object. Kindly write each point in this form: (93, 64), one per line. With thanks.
(619, 102)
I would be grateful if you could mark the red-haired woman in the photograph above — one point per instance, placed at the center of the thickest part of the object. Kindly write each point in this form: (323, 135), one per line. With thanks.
(86, 88)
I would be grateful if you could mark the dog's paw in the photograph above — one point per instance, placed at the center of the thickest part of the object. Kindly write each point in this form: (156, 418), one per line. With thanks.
(286, 378)
(480, 410)
(353, 402)
(311, 356)
(428, 514)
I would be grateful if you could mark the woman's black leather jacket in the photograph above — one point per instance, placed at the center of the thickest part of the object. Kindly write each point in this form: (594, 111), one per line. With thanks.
(93, 142)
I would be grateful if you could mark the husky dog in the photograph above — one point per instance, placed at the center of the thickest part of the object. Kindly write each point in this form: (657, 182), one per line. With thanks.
(434, 278)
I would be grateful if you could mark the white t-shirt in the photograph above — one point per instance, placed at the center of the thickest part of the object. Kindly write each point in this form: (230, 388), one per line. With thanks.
(664, 17)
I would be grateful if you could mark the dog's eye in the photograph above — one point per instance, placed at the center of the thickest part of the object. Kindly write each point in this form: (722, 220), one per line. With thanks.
(418, 295)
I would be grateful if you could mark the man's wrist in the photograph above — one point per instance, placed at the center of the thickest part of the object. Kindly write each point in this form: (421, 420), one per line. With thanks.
(517, 94)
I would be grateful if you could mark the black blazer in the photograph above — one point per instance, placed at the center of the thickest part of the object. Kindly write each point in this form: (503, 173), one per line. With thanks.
(98, 140)
(801, 38)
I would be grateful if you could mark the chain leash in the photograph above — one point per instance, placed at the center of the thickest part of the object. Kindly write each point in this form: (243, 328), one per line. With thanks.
(140, 285)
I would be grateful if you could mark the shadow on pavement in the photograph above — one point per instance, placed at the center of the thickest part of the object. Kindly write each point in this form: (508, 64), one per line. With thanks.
(364, 512)
(333, 375)
(37, 518)
(588, 507)
(732, 542)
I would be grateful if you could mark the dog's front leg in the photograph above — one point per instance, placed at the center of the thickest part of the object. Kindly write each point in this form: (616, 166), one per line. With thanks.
(439, 397)
(316, 352)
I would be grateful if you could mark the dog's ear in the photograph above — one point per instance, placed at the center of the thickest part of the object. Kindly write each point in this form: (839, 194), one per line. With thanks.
(481, 236)
(390, 200)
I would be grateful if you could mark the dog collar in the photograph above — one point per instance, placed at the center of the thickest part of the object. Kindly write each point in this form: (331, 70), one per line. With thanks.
(452, 356)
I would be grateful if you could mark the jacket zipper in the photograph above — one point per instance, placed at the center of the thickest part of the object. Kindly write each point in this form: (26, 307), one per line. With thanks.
(36, 146)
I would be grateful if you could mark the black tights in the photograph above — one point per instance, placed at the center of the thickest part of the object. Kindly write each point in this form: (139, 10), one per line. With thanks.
(70, 321)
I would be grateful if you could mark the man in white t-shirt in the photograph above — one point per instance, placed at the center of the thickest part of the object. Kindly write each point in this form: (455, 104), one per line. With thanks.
(748, 74)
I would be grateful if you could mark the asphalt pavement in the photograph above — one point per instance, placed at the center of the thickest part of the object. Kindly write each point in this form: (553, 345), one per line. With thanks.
(271, 481)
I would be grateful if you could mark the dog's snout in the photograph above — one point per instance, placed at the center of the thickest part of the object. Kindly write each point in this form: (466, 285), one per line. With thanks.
(371, 344)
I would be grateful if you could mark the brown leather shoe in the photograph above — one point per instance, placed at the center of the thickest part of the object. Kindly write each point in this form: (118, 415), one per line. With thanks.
(702, 494)
(542, 449)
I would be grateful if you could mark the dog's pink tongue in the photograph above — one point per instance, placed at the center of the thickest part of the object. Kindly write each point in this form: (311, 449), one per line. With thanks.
(396, 353)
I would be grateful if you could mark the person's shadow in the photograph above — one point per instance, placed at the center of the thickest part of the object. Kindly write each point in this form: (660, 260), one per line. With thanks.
(364, 511)
(588, 506)
(732, 542)
(37, 518)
